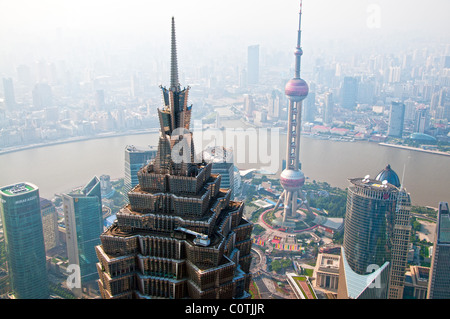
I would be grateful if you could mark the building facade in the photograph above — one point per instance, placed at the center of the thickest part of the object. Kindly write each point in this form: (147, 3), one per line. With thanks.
(396, 119)
(439, 282)
(135, 159)
(253, 64)
(377, 229)
(84, 225)
(8, 91)
(49, 224)
(25, 248)
(181, 235)
(349, 92)
(328, 108)
(416, 282)
(326, 272)
(222, 164)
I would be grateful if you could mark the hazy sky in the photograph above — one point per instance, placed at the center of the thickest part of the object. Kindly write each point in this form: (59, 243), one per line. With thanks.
(249, 17)
(211, 23)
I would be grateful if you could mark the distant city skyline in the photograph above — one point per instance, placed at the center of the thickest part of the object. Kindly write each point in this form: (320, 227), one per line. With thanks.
(56, 30)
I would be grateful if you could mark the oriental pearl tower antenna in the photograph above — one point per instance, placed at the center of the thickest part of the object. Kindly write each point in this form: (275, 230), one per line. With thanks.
(292, 178)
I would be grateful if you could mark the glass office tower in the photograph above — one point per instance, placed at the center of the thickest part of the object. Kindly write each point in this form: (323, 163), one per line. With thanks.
(84, 225)
(135, 159)
(439, 282)
(222, 160)
(377, 231)
(24, 239)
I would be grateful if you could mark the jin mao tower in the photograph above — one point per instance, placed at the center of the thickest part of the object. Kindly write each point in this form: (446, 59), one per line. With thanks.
(181, 235)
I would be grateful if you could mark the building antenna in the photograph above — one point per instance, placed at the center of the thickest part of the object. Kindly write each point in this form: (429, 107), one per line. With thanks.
(299, 51)
(403, 174)
(174, 83)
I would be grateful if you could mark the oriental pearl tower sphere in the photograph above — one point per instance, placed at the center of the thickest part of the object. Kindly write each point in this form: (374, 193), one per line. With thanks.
(292, 178)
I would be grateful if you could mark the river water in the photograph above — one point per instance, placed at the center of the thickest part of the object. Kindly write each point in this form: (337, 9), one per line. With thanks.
(60, 168)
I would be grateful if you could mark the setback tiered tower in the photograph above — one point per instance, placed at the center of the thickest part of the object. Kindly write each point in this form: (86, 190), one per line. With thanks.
(180, 236)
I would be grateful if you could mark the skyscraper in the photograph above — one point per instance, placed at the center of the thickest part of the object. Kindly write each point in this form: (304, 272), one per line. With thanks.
(328, 108)
(376, 237)
(421, 120)
(309, 108)
(274, 105)
(42, 96)
(84, 225)
(181, 236)
(253, 64)
(292, 178)
(349, 92)
(49, 224)
(25, 248)
(8, 91)
(249, 105)
(222, 160)
(439, 281)
(135, 159)
(396, 119)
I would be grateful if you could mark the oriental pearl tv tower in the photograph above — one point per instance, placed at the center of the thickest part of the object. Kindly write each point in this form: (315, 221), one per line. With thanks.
(292, 178)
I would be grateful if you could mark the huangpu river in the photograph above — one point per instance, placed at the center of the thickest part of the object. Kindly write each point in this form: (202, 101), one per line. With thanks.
(62, 167)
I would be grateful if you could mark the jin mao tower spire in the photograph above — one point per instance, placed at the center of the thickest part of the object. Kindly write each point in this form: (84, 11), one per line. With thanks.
(181, 235)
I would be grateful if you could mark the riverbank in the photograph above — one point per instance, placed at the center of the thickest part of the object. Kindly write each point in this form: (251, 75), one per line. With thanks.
(415, 149)
(76, 139)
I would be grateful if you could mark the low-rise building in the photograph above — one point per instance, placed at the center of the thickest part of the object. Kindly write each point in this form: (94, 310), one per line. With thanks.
(416, 283)
(326, 272)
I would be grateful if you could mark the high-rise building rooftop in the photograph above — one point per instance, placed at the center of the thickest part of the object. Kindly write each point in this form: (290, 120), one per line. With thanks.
(20, 213)
(181, 235)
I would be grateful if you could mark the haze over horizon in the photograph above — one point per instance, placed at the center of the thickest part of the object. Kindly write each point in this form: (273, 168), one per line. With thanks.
(58, 29)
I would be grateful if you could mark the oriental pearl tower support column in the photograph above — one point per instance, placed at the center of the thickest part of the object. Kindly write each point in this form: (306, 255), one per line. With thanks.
(292, 178)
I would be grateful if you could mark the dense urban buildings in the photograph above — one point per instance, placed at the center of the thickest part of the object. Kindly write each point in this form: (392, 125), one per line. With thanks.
(25, 248)
(376, 235)
(84, 225)
(439, 281)
(181, 236)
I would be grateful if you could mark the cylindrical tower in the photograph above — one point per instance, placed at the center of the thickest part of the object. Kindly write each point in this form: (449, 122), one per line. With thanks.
(20, 212)
(369, 223)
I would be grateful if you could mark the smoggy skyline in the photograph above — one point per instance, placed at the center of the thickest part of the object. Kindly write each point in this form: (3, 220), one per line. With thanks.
(55, 27)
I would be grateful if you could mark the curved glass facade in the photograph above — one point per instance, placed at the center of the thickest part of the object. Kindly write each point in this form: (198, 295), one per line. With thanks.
(377, 230)
(369, 224)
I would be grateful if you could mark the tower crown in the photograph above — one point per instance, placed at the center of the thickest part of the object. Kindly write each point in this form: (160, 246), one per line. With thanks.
(297, 89)
(176, 113)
